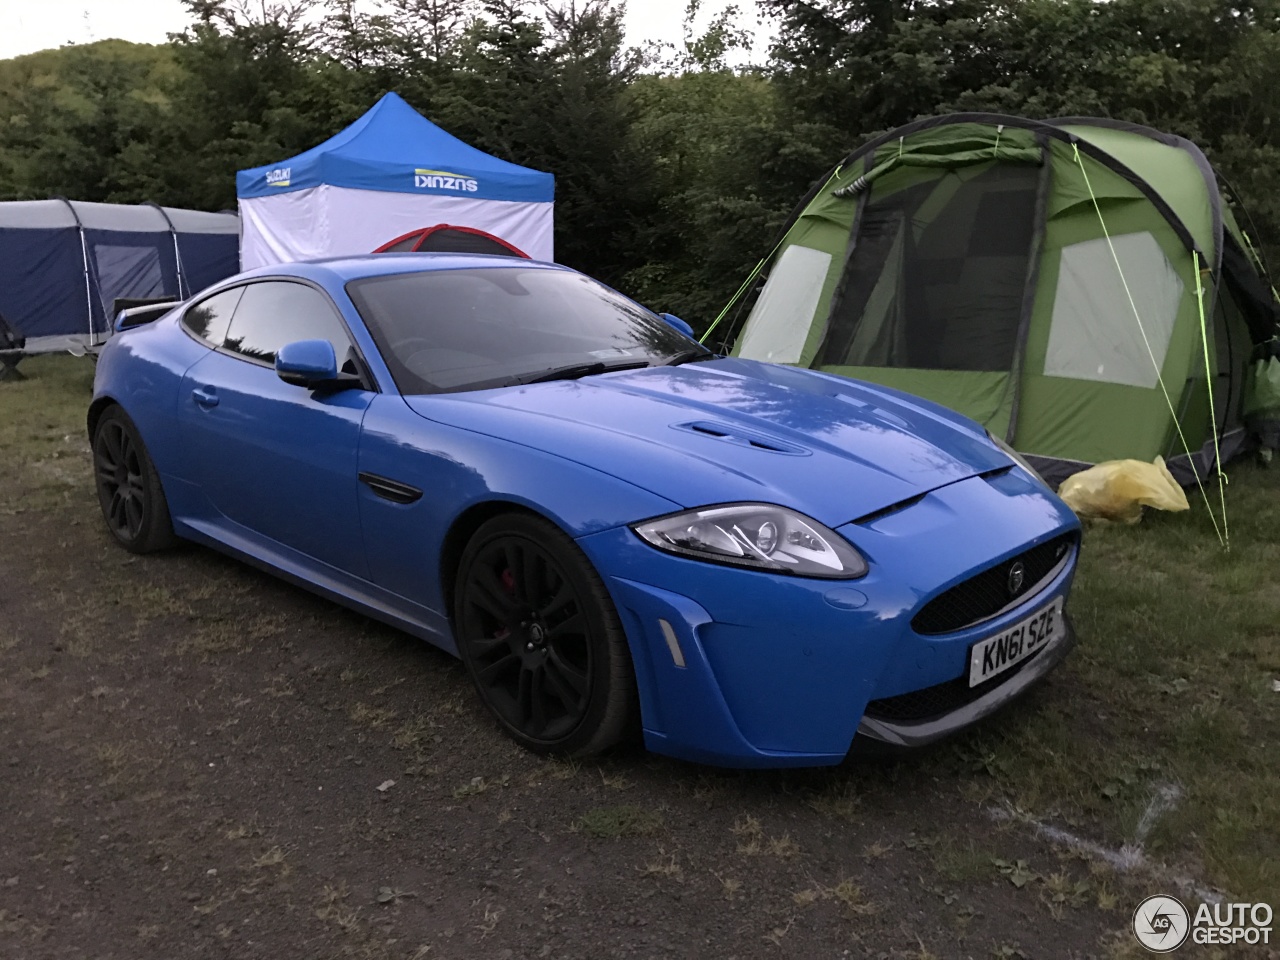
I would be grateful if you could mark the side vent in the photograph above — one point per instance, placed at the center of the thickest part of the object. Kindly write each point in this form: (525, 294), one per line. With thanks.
(389, 489)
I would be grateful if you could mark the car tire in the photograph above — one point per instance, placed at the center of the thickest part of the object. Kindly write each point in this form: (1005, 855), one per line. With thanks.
(541, 639)
(129, 492)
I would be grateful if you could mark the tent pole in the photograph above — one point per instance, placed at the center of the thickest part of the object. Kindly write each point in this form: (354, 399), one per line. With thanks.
(1177, 424)
(1213, 417)
(746, 284)
(1030, 283)
(177, 255)
(84, 256)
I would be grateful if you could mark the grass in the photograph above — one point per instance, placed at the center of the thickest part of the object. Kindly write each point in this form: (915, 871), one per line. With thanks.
(44, 451)
(620, 821)
(1171, 684)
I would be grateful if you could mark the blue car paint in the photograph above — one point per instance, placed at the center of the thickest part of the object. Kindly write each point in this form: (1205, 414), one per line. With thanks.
(458, 470)
(141, 369)
(777, 670)
(856, 455)
(274, 458)
(796, 671)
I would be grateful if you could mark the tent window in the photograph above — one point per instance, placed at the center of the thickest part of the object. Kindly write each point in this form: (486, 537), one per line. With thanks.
(126, 271)
(780, 321)
(404, 246)
(1094, 334)
(937, 275)
(448, 240)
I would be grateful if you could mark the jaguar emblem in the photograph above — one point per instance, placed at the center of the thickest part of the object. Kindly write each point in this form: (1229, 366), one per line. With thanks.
(1017, 576)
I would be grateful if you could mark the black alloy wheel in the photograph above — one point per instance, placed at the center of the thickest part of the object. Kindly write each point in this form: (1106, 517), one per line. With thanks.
(129, 491)
(541, 639)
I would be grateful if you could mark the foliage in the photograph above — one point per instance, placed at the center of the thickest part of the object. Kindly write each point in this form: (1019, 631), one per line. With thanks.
(674, 169)
(75, 121)
(1189, 67)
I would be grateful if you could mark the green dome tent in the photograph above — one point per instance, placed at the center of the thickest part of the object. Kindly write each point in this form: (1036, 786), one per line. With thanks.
(1047, 279)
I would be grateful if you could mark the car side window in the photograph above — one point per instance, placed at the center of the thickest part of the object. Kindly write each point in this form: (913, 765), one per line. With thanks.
(210, 318)
(276, 312)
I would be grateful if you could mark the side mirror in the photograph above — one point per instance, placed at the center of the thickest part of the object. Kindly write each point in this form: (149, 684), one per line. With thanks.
(678, 324)
(307, 363)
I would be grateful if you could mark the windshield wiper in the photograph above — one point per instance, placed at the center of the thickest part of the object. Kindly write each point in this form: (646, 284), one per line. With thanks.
(575, 370)
(692, 355)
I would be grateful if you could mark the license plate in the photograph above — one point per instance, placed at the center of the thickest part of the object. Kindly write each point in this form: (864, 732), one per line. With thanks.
(1007, 649)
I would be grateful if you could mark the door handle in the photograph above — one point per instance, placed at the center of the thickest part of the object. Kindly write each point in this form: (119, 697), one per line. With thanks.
(205, 396)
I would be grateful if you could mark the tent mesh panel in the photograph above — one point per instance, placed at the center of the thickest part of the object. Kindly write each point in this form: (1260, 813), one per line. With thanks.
(937, 273)
(461, 241)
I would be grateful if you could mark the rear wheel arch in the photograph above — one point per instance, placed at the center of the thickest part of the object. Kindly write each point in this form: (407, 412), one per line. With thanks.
(127, 483)
(96, 410)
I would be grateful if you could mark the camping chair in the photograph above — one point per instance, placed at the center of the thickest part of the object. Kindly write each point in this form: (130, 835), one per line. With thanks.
(12, 350)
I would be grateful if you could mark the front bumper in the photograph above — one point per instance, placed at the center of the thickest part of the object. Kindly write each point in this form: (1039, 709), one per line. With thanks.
(750, 669)
(918, 733)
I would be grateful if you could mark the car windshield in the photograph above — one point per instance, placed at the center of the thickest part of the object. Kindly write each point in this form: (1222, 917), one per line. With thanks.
(470, 329)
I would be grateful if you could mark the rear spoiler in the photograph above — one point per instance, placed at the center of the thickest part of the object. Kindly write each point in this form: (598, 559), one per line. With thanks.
(144, 314)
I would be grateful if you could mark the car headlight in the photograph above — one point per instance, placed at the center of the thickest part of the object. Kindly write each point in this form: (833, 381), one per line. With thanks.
(756, 535)
(1017, 458)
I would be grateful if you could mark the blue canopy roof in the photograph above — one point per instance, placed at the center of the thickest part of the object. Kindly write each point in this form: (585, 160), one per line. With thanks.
(396, 149)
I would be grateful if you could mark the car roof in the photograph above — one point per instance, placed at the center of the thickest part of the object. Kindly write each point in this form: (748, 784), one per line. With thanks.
(344, 269)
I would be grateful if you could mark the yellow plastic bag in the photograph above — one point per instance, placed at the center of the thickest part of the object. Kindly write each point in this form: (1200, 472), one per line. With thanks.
(1119, 489)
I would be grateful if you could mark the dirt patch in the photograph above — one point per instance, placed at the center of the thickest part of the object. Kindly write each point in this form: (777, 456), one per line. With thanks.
(201, 760)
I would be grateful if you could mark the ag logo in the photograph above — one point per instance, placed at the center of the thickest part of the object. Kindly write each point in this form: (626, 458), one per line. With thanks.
(1017, 575)
(1161, 924)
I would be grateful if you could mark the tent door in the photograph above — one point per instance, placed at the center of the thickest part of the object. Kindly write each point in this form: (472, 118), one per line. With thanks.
(126, 271)
(937, 274)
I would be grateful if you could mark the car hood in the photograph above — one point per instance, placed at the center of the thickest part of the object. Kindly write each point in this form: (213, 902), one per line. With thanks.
(736, 430)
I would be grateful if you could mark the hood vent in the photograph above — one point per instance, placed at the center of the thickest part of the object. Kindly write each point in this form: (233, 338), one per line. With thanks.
(892, 508)
(730, 433)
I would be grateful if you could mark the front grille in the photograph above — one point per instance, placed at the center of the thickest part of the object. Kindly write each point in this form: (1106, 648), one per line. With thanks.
(986, 594)
(941, 698)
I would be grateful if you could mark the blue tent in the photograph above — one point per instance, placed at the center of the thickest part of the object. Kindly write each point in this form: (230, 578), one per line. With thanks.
(390, 172)
(64, 263)
(386, 149)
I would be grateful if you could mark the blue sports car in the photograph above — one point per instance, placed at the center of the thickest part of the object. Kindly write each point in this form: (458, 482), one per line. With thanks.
(616, 530)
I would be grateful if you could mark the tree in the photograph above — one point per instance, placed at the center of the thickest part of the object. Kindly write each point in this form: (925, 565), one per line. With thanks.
(73, 119)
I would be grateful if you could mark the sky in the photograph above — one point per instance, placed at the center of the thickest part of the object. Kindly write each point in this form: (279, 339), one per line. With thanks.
(30, 25)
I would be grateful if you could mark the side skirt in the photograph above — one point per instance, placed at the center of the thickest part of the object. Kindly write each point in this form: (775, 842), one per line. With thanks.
(319, 578)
